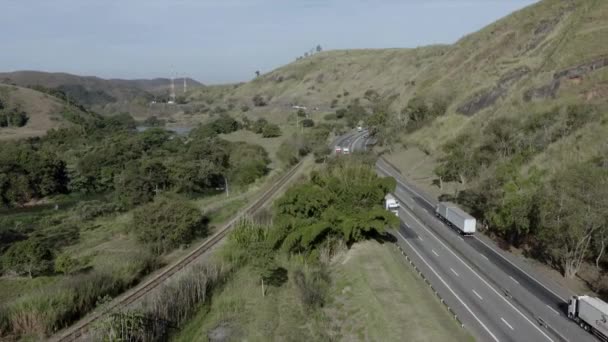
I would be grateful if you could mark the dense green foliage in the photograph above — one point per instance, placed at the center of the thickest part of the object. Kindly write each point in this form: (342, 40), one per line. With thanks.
(28, 171)
(271, 131)
(13, 118)
(344, 201)
(559, 218)
(167, 223)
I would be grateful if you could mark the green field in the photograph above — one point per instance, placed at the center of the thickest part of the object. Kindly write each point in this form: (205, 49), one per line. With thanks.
(374, 296)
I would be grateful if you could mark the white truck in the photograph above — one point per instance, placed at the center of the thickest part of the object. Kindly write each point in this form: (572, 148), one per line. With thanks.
(345, 150)
(456, 217)
(391, 204)
(591, 314)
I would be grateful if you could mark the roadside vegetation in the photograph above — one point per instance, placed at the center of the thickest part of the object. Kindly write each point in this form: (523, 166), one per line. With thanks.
(289, 251)
(91, 209)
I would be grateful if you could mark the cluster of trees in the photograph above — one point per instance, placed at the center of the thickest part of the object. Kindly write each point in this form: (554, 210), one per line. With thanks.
(310, 52)
(301, 144)
(28, 172)
(342, 203)
(419, 112)
(263, 127)
(13, 118)
(110, 160)
(560, 218)
(510, 138)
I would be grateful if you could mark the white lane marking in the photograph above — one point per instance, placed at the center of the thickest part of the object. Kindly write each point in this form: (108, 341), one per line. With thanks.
(460, 237)
(483, 256)
(524, 272)
(420, 238)
(450, 289)
(477, 294)
(451, 269)
(432, 250)
(478, 239)
(514, 280)
(477, 274)
(552, 309)
(507, 323)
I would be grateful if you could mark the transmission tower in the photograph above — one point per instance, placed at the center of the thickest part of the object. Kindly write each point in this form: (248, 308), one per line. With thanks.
(172, 95)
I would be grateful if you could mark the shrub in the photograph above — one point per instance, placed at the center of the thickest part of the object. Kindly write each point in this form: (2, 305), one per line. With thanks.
(68, 265)
(32, 257)
(334, 103)
(301, 113)
(308, 123)
(259, 101)
(271, 131)
(167, 223)
(312, 287)
(89, 210)
(245, 108)
(258, 125)
(340, 113)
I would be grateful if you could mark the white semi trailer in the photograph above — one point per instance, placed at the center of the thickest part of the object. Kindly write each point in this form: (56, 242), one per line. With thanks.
(391, 204)
(591, 314)
(456, 217)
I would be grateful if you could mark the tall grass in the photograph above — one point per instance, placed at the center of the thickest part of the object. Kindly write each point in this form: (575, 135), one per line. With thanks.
(48, 310)
(167, 307)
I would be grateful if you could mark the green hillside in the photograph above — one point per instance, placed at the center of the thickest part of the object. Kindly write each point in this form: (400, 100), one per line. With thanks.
(495, 121)
(41, 112)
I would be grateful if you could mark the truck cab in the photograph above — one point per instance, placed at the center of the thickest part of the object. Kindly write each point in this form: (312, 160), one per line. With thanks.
(392, 204)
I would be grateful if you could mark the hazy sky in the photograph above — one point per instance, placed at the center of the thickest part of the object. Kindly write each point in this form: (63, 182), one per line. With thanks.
(218, 41)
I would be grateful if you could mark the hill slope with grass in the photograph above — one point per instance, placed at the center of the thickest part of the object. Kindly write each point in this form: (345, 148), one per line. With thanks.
(42, 112)
(497, 121)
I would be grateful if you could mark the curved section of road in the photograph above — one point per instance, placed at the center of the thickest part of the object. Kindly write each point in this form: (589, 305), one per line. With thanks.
(496, 295)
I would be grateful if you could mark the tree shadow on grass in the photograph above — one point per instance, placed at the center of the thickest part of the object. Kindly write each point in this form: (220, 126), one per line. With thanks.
(277, 277)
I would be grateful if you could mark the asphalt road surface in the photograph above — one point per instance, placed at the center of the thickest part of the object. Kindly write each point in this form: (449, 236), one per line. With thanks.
(494, 293)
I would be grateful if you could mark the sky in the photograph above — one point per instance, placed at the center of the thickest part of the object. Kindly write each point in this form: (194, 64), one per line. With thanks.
(220, 41)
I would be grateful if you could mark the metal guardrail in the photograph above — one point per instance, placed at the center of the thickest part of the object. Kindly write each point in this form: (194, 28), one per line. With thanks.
(450, 310)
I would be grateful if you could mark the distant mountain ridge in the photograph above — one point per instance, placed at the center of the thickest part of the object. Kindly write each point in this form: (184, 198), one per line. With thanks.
(94, 91)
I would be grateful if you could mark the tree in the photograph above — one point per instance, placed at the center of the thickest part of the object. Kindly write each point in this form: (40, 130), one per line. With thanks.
(257, 73)
(167, 223)
(308, 123)
(271, 131)
(301, 113)
(574, 209)
(346, 201)
(319, 48)
(32, 257)
(259, 125)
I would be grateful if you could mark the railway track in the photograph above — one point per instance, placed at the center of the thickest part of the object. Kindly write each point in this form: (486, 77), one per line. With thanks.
(78, 330)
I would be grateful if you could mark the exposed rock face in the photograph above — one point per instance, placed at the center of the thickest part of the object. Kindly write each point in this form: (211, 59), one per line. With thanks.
(487, 98)
(577, 72)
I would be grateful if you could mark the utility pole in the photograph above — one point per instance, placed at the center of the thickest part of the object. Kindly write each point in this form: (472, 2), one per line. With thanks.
(185, 85)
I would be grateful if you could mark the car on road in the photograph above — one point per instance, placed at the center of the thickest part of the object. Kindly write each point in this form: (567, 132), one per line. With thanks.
(346, 150)
(338, 149)
(359, 129)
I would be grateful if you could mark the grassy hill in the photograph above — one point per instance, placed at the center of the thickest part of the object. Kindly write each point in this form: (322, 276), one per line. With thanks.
(43, 111)
(549, 55)
(496, 119)
(102, 95)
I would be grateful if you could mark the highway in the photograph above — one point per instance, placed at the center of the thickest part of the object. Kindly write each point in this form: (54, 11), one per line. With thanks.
(494, 293)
